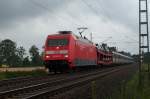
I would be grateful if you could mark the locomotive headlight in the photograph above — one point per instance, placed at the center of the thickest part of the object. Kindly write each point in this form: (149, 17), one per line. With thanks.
(47, 56)
(66, 56)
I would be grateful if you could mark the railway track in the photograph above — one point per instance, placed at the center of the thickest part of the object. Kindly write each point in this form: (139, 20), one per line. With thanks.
(18, 82)
(14, 83)
(55, 85)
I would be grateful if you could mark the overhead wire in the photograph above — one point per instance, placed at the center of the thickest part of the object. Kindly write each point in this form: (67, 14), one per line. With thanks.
(102, 10)
(90, 7)
(62, 18)
(51, 12)
(75, 17)
(94, 10)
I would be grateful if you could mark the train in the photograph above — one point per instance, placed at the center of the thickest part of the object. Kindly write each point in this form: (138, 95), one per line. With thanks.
(66, 51)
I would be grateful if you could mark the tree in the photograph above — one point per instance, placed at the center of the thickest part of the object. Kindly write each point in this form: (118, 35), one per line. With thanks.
(42, 54)
(35, 57)
(20, 52)
(147, 58)
(16, 61)
(125, 53)
(113, 49)
(0, 61)
(7, 51)
(26, 61)
(11, 55)
(136, 57)
(105, 47)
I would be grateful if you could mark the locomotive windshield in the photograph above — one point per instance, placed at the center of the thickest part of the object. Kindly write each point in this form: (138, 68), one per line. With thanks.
(58, 42)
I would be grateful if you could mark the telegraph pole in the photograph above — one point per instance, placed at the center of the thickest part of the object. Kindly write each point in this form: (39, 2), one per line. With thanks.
(143, 31)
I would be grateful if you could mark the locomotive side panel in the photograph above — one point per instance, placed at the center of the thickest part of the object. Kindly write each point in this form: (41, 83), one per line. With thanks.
(85, 54)
(71, 53)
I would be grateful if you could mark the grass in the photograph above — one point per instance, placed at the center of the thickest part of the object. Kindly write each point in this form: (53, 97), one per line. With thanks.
(7, 75)
(137, 88)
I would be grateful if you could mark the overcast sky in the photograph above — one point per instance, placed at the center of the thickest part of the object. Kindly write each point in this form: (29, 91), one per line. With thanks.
(28, 22)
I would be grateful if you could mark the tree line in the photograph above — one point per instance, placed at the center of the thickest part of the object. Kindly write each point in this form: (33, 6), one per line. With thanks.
(146, 57)
(11, 55)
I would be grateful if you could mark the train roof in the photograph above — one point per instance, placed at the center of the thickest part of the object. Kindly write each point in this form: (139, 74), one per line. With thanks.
(65, 33)
(61, 33)
(116, 53)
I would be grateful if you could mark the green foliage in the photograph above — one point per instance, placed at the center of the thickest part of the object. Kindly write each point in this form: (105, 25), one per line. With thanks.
(147, 57)
(36, 59)
(136, 57)
(26, 61)
(10, 55)
(137, 88)
(7, 51)
(0, 61)
(20, 52)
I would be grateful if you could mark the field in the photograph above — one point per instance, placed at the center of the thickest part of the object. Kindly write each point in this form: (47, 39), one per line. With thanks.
(136, 88)
(16, 69)
(7, 75)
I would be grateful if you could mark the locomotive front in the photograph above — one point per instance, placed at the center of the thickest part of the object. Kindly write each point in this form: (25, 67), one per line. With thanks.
(57, 52)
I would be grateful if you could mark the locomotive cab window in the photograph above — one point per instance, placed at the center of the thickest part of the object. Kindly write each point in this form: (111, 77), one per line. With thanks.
(58, 42)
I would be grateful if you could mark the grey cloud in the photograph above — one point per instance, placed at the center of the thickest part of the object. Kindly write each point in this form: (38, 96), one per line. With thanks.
(25, 17)
(122, 11)
(12, 11)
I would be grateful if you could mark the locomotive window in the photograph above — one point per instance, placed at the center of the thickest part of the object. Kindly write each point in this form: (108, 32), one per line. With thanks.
(57, 42)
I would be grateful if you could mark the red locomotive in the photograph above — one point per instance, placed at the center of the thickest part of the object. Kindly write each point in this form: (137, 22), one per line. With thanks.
(68, 51)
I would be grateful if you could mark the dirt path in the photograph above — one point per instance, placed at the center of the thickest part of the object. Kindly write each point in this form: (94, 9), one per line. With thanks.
(21, 69)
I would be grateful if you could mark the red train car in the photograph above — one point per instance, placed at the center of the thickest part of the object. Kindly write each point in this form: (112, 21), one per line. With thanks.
(104, 57)
(67, 51)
